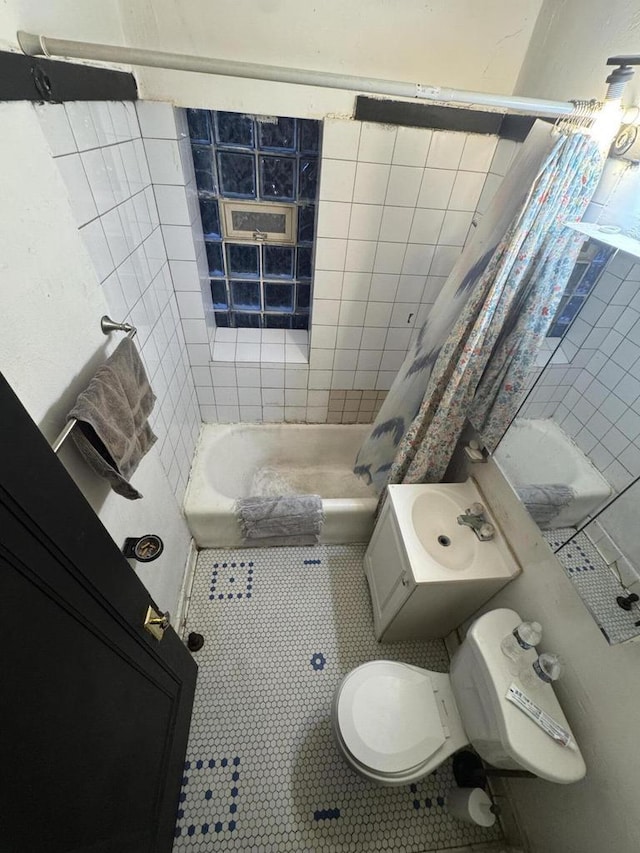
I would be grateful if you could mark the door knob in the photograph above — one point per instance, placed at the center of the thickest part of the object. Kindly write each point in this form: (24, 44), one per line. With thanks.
(156, 623)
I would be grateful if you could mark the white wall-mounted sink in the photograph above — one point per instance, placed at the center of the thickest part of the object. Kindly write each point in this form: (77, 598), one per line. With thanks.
(426, 572)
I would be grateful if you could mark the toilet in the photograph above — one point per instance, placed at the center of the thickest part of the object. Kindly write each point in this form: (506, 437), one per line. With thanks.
(395, 723)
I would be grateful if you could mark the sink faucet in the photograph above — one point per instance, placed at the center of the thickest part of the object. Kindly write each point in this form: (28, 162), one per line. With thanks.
(475, 518)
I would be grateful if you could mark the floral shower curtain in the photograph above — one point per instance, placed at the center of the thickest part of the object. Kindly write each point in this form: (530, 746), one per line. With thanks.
(474, 352)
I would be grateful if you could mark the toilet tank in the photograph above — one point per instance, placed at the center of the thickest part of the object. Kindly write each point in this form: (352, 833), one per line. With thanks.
(474, 683)
(500, 732)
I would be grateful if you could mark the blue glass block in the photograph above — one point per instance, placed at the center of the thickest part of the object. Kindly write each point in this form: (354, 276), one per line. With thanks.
(303, 297)
(300, 321)
(595, 268)
(566, 314)
(277, 262)
(237, 174)
(199, 127)
(245, 295)
(243, 260)
(214, 258)
(246, 321)
(210, 217)
(308, 178)
(234, 129)
(306, 223)
(204, 168)
(280, 136)
(277, 177)
(304, 262)
(223, 321)
(278, 297)
(219, 295)
(308, 135)
(576, 274)
(584, 287)
(277, 321)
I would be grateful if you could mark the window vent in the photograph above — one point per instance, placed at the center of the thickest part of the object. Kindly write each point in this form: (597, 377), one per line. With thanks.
(261, 223)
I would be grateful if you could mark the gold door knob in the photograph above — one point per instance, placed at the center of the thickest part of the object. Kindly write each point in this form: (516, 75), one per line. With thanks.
(156, 623)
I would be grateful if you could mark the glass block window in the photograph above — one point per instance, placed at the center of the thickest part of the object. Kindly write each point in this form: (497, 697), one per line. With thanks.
(264, 160)
(589, 267)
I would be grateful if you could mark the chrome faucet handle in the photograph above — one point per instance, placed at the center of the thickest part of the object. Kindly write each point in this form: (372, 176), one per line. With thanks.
(476, 508)
(486, 532)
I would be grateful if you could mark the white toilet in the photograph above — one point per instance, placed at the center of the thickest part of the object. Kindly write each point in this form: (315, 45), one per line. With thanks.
(396, 723)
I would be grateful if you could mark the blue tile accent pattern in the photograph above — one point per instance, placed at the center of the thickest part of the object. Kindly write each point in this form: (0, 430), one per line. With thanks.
(209, 798)
(260, 702)
(596, 584)
(265, 159)
(318, 661)
(326, 814)
(231, 581)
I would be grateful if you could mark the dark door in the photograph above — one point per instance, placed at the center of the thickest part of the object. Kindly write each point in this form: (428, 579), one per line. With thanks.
(94, 712)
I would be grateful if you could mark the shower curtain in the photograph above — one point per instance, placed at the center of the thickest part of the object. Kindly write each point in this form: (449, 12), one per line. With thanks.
(471, 358)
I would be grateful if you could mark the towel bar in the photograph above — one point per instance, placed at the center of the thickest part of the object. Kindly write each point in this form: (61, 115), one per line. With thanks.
(107, 325)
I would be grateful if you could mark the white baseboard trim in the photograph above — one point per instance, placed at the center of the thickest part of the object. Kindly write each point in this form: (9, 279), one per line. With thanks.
(185, 591)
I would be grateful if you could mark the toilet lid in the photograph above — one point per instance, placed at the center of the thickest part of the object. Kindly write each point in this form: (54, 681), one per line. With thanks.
(388, 717)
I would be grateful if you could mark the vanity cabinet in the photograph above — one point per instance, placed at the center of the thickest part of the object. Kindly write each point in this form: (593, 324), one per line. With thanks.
(390, 583)
(412, 595)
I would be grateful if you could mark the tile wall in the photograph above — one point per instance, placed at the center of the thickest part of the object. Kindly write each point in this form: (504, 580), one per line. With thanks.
(593, 388)
(104, 163)
(396, 206)
(354, 407)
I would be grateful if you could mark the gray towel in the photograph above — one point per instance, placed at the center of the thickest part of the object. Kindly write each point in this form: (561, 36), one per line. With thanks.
(545, 501)
(112, 432)
(283, 520)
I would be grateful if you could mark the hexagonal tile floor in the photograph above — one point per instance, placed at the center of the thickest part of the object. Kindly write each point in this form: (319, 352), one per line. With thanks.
(282, 626)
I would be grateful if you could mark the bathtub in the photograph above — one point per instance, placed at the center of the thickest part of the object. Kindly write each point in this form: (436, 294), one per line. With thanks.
(238, 460)
(538, 452)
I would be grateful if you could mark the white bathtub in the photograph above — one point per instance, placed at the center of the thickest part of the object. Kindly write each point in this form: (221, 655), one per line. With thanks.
(538, 452)
(241, 460)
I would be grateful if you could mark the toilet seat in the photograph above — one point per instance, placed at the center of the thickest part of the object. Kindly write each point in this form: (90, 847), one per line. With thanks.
(388, 717)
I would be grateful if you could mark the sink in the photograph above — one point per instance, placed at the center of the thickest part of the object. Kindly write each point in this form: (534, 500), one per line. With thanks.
(427, 573)
(434, 519)
(439, 548)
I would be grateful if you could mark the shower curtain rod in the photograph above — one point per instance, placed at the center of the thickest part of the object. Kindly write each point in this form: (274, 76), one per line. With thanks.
(39, 45)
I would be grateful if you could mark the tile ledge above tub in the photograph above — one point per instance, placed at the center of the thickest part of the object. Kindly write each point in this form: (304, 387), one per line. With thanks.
(273, 346)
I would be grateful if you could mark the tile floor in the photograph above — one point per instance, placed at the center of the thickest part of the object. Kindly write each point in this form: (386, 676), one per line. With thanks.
(596, 584)
(282, 626)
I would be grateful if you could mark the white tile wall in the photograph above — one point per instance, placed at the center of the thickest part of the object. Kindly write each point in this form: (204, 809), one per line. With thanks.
(595, 394)
(101, 156)
(396, 207)
(408, 196)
